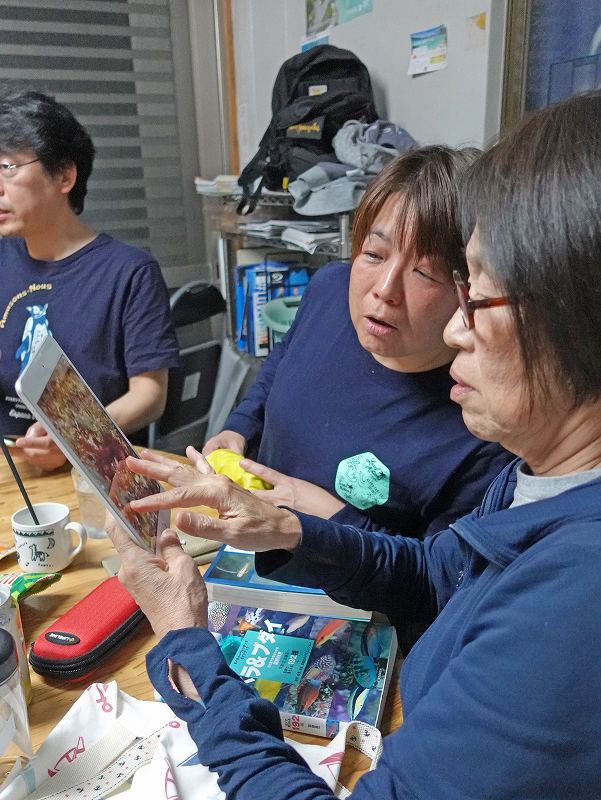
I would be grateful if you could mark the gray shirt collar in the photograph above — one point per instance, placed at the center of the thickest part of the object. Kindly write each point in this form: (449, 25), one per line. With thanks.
(530, 488)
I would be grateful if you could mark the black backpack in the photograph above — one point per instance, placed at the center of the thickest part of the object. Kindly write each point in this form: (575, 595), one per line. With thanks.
(314, 94)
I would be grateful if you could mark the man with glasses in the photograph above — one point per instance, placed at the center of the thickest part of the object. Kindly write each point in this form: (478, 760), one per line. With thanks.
(105, 302)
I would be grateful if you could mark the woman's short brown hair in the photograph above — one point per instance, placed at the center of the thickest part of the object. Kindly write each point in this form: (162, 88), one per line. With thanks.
(426, 181)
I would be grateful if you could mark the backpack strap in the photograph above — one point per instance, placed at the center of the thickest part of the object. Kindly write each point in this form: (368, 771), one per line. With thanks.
(248, 201)
(253, 170)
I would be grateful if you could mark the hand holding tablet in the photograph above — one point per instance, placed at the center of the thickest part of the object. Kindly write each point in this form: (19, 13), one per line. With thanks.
(57, 395)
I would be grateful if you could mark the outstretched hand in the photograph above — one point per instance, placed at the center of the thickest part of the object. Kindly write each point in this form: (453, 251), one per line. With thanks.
(161, 468)
(168, 587)
(245, 521)
(293, 492)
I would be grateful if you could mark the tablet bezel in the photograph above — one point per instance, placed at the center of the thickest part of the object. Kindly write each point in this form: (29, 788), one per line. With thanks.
(30, 386)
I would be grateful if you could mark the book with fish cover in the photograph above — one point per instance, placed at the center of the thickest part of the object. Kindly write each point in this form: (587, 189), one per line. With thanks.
(231, 577)
(320, 672)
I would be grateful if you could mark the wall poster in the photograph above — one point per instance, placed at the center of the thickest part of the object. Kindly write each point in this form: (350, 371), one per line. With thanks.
(428, 50)
(322, 14)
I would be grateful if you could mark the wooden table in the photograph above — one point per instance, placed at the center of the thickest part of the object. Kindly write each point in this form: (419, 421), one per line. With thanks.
(51, 698)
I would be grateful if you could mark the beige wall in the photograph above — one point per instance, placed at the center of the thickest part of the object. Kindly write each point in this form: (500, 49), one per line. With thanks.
(458, 105)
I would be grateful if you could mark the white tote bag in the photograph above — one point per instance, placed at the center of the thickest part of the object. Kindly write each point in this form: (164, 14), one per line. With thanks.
(111, 745)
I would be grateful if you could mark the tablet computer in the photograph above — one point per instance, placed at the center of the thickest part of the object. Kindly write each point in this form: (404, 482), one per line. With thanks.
(58, 396)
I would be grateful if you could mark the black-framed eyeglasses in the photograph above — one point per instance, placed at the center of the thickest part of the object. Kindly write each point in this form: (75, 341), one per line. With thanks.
(9, 170)
(467, 306)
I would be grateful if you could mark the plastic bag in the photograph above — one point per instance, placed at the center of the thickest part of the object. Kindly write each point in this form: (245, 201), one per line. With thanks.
(227, 462)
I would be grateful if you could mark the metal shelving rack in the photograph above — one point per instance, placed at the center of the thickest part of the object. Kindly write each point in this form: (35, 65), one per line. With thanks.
(225, 224)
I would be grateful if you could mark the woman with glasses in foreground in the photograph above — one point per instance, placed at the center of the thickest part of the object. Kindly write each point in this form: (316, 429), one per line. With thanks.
(502, 694)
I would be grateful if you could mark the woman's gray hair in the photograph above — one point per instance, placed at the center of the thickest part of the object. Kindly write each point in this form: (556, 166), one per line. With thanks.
(536, 199)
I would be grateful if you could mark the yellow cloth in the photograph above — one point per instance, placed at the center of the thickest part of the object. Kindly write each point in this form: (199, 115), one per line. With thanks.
(227, 462)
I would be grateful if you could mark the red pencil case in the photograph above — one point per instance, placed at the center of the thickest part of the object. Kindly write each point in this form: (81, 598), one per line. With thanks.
(76, 643)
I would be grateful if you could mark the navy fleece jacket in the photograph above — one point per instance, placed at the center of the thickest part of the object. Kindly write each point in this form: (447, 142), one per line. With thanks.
(502, 694)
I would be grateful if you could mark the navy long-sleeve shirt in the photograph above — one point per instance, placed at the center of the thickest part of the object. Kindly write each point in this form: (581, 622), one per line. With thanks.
(392, 445)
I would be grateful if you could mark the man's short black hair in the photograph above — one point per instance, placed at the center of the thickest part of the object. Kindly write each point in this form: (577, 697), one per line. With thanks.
(34, 121)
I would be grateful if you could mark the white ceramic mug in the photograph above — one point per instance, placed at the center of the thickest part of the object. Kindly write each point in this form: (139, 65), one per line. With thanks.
(46, 547)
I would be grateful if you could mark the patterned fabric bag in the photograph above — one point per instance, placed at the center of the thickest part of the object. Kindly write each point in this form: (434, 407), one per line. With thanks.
(110, 744)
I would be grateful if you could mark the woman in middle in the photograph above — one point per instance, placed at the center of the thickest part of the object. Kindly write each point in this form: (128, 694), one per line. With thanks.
(350, 415)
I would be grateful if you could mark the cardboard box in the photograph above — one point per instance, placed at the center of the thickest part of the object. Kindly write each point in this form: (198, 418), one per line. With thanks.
(255, 285)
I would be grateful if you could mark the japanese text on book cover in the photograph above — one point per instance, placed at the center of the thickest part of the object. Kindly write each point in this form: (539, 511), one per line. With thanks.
(319, 671)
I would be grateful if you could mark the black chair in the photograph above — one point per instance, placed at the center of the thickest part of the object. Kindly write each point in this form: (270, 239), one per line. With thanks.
(191, 385)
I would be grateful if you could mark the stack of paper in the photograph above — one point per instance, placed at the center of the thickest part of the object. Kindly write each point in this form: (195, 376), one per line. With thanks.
(309, 240)
(274, 228)
(221, 184)
(266, 229)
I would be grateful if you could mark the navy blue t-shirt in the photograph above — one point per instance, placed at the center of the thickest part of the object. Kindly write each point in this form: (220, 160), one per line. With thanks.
(392, 445)
(106, 305)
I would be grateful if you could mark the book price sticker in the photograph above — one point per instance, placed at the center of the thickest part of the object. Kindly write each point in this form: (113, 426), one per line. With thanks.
(271, 656)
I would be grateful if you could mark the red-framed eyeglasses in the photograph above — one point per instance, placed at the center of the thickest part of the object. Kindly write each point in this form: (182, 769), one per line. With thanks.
(467, 306)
